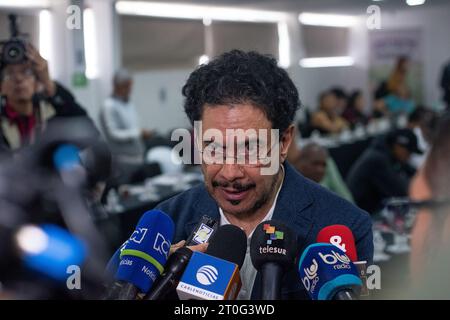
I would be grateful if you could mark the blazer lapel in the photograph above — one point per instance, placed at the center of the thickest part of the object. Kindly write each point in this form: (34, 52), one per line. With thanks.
(205, 205)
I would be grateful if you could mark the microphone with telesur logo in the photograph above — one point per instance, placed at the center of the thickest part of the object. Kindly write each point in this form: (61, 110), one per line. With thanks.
(214, 275)
(273, 250)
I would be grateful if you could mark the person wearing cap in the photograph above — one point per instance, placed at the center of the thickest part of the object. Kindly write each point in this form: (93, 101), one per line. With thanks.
(30, 98)
(383, 171)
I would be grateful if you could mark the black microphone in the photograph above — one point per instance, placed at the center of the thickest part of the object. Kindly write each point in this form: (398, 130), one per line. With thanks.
(177, 262)
(228, 243)
(174, 268)
(214, 275)
(273, 250)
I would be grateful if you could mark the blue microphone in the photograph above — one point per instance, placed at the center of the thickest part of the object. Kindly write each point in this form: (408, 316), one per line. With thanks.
(144, 255)
(49, 250)
(328, 274)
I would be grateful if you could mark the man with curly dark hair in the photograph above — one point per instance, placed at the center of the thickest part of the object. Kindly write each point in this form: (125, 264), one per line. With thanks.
(246, 92)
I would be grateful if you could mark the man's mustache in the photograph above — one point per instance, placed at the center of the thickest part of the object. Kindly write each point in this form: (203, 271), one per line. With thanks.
(235, 185)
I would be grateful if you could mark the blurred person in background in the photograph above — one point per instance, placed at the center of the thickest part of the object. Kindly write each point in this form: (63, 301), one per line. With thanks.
(341, 99)
(327, 119)
(393, 95)
(397, 81)
(399, 101)
(383, 170)
(430, 239)
(445, 85)
(30, 98)
(354, 112)
(120, 122)
(422, 121)
(314, 162)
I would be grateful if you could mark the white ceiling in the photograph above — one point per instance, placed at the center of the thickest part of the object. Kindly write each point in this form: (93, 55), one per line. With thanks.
(338, 6)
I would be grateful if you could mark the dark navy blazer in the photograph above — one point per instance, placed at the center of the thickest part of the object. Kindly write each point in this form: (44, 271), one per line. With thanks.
(303, 205)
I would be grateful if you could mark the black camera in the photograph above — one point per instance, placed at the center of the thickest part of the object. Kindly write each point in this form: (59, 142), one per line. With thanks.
(14, 49)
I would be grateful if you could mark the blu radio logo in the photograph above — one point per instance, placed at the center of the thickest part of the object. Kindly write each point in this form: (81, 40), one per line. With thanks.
(273, 234)
(311, 278)
(207, 275)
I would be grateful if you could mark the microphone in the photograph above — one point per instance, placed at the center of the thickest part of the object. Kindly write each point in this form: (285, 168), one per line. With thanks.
(175, 266)
(143, 257)
(49, 250)
(273, 249)
(214, 275)
(342, 237)
(177, 262)
(203, 231)
(328, 274)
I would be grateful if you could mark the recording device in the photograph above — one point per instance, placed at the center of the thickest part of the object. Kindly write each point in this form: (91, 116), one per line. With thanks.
(143, 257)
(203, 231)
(342, 237)
(214, 275)
(14, 49)
(328, 274)
(273, 250)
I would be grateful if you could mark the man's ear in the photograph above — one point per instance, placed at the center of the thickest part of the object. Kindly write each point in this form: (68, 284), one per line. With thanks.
(286, 140)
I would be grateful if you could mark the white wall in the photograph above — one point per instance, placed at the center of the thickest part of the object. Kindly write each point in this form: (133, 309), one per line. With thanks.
(155, 112)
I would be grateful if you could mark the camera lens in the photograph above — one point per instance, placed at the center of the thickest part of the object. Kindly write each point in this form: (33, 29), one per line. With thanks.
(13, 52)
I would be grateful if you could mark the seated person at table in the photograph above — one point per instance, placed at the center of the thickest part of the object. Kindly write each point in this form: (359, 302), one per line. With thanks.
(25, 110)
(354, 112)
(248, 91)
(383, 171)
(314, 162)
(399, 101)
(422, 122)
(327, 119)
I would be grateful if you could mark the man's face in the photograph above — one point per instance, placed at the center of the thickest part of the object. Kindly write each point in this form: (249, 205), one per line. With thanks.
(330, 104)
(123, 89)
(18, 82)
(238, 189)
(401, 153)
(313, 166)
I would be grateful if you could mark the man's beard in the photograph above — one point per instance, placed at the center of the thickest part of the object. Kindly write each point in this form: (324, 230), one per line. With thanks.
(259, 203)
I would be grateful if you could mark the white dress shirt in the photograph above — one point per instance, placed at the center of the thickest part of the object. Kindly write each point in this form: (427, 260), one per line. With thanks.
(248, 271)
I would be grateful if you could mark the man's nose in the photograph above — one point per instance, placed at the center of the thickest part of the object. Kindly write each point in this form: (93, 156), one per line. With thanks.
(231, 172)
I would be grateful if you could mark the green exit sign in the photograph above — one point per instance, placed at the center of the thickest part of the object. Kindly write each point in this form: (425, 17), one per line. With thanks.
(79, 80)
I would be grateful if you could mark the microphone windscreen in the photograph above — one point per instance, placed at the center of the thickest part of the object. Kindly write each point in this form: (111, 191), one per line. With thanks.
(146, 251)
(325, 270)
(273, 241)
(340, 236)
(228, 243)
